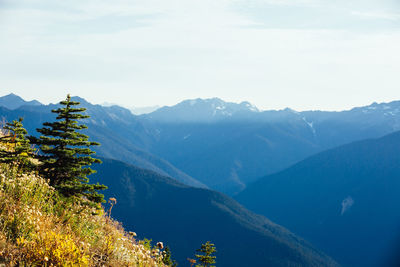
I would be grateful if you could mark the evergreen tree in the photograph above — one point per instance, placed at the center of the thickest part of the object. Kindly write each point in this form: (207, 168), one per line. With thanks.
(205, 260)
(66, 154)
(16, 147)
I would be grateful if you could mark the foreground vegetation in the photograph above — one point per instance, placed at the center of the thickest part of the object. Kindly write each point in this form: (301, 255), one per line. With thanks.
(40, 227)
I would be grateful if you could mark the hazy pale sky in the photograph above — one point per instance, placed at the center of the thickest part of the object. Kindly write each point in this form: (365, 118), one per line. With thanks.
(303, 54)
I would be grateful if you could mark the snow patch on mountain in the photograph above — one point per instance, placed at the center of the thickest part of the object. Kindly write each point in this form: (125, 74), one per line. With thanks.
(310, 124)
(389, 113)
(250, 106)
(387, 109)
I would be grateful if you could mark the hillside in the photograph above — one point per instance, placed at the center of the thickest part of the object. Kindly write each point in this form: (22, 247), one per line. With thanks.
(344, 200)
(184, 217)
(39, 227)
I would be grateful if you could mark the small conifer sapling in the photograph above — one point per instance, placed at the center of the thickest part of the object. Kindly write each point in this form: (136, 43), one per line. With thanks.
(207, 258)
(16, 147)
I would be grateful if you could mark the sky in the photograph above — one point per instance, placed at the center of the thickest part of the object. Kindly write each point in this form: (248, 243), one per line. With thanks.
(302, 54)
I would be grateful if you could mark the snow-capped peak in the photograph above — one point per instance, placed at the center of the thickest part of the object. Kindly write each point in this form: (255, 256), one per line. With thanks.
(210, 109)
(387, 109)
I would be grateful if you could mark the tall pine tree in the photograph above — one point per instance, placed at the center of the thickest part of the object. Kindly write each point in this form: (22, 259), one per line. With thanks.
(66, 155)
(16, 148)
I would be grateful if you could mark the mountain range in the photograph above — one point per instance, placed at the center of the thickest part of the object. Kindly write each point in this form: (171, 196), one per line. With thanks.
(231, 150)
(221, 145)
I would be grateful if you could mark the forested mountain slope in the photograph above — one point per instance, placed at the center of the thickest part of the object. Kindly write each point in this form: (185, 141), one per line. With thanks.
(184, 217)
(344, 200)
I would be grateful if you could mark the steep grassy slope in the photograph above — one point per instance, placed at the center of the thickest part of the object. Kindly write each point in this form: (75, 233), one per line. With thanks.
(345, 200)
(185, 217)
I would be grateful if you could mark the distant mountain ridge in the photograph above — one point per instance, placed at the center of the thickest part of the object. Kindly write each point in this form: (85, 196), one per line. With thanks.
(12, 101)
(200, 110)
(229, 152)
(344, 200)
(231, 148)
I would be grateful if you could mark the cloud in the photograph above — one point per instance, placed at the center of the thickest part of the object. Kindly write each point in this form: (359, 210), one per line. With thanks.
(319, 14)
(187, 49)
(377, 15)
